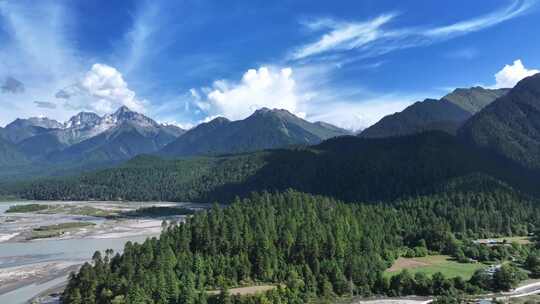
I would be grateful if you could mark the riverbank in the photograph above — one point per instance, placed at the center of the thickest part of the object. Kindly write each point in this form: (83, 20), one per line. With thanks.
(68, 233)
(13, 278)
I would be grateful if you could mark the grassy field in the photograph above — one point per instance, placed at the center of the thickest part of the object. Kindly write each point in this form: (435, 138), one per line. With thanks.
(57, 230)
(56, 209)
(433, 264)
(79, 210)
(27, 208)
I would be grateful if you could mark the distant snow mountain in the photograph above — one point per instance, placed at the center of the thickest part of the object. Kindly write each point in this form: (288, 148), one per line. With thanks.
(82, 126)
(90, 137)
(86, 125)
(21, 129)
(114, 137)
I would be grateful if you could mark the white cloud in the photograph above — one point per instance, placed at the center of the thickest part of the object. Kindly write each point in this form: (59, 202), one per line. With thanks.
(304, 92)
(359, 114)
(375, 37)
(343, 35)
(510, 75)
(516, 8)
(102, 90)
(265, 87)
(184, 126)
(55, 62)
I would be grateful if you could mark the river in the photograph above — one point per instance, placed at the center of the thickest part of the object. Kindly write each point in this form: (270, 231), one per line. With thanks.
(28, 268)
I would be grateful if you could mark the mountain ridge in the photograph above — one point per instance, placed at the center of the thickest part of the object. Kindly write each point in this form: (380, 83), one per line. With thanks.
(351, 168)
(88, 140)
(264, 129)
(445, 114)
(85, 137)
(510, 126)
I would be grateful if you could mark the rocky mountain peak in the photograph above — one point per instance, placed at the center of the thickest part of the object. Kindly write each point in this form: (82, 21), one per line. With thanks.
(42, 122)
(83, 120)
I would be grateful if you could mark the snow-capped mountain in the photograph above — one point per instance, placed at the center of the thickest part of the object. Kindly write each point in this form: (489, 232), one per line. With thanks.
(122, 134)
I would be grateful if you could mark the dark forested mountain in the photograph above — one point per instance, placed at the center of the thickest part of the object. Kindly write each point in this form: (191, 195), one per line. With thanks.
(349, 168)
(511, 125)
(264, 129)
(446, 114)
(41, 145)
(9, 155)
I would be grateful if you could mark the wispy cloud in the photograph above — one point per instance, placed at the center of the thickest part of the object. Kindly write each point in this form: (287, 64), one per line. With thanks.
(146, 22)
(358, 114)
(376, 36)
(45, 104)
(343, 35)
(38, 38)
(515, 9)
(37, 51)
(467, 53)
(12, 85)
(41, 51)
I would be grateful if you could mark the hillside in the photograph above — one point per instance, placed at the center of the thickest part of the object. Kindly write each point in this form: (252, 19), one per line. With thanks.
(313, 246)
(9, 155)
(446, 114)
(511, 125)
(265, 129)
(349, 168)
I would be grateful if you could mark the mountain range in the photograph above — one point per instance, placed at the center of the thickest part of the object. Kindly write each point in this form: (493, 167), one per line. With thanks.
(504, 123)
(84, 138)
(89, 140)
(265, 129)
(499, 144)
(446, 114)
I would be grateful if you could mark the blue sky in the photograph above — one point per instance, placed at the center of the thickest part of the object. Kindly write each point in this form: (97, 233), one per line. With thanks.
(345, 62)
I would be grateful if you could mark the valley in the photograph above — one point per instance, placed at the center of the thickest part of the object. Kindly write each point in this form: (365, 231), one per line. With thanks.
(438, 203)
(269, 152)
